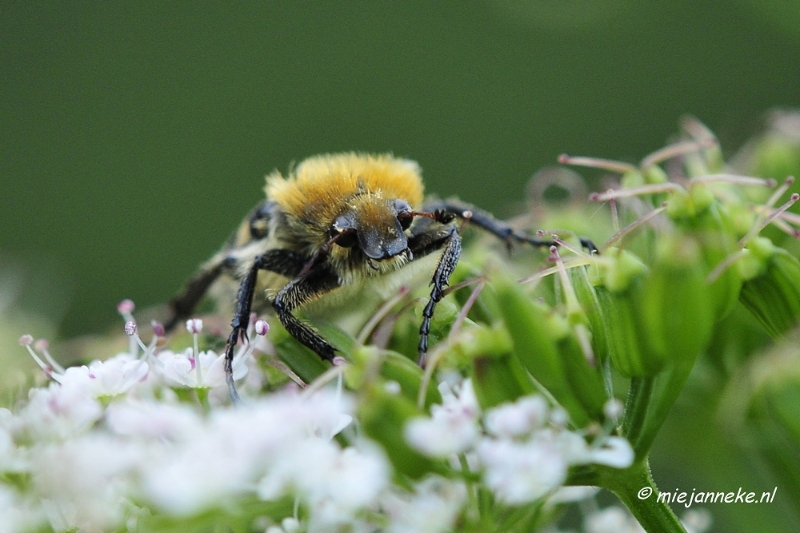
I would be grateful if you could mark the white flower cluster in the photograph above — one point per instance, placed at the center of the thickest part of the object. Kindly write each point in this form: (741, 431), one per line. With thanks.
(523, 450)
(105, 444)
(116, 445)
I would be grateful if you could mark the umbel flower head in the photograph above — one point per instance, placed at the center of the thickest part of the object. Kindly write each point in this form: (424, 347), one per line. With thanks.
(103, 442)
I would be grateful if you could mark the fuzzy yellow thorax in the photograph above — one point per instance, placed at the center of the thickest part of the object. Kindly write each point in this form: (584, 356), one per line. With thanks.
(321, 186)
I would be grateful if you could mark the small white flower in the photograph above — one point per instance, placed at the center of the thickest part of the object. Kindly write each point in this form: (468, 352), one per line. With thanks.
(697, 520)
(452, 427)
(290, 525)
(392, 387)
(61, 411)
(614, 451)
(448, 431)
(153, 420)
(235, 448)
(334, 483)
(352, 479)
(611, 520)
(433, 506)
(460, 397)
(17, 515)
(519, 418)
(112, 377)
(76, 377)
(521, 472)
(613, 409)
(84, 480)
(181, 368)
(115, 376)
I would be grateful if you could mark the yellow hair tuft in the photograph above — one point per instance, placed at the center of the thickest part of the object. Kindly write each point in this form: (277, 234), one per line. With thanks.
(321, 185)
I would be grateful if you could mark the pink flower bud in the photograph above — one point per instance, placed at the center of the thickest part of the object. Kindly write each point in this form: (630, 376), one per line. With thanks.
(125, 306)
(194, 326)
(262, 327)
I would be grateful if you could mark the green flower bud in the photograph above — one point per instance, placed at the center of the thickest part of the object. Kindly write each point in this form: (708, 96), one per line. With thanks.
(619, 290)
(480, 340)
(584, 379)
(676, 311)
(498, 379)
(632, 178)
(761, 250)
(497, 375)
(617, 273)
(587, 297)
(777, 156)
(654, 174)
(446, 311)
(627, 342)
(690, 203)
(772, 292)
(535, 332)
(713, 231)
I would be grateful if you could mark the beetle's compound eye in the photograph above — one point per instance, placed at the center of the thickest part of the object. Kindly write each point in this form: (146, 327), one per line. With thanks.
(404, 214)
(343, 233)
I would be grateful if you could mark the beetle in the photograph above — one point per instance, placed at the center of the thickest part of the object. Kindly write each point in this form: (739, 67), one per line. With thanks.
(336, 221)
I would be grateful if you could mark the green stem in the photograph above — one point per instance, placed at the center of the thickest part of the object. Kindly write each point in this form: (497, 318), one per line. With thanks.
(649, 401)
(472, 490)
(664, 398)
(202, 398)
(640, 395)
(638, 492)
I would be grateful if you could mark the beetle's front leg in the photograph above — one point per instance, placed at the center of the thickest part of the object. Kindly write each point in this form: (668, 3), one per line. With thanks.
(498, 228)
(284, 262)
(309, 286)
(431, 238)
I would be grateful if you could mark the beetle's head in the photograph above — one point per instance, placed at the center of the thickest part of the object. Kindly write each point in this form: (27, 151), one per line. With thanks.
(375, 226)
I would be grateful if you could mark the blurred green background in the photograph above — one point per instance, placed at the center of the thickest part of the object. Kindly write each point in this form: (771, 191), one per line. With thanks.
(135, 136)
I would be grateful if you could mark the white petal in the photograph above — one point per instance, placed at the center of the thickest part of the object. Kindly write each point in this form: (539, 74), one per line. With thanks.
(616, 452)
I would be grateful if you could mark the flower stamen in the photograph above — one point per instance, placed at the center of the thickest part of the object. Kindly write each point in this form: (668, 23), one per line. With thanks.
(596, 162)
(635, 224)
(676, 149)
(642, 190)
(574, 308)
(767, 214)
(195, 326)
(42, 345)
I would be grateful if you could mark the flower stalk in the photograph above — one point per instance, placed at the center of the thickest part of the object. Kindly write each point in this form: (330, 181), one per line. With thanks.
(637, 490)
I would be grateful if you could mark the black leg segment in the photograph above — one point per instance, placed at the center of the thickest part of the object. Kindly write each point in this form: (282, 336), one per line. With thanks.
(310, 286)
(424, 242)
(486, 222)
(284, 262)
(498, 228)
